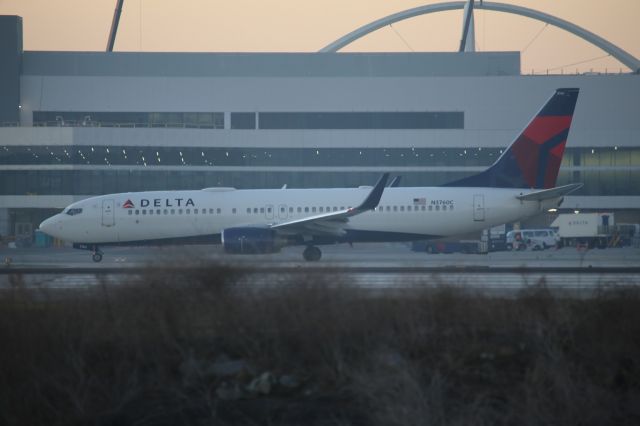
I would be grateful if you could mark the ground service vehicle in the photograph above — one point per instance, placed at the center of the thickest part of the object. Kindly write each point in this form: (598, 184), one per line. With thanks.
(535, 239)
(590, 229)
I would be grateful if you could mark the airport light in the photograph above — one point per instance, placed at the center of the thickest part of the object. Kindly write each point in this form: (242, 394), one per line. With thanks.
(576, 211)
(552, 210)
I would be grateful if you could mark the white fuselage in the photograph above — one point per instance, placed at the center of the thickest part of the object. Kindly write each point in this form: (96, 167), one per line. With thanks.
(402, 214)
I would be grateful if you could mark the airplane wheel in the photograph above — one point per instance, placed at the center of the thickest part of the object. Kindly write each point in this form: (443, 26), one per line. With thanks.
(97, 257)
(312, 254)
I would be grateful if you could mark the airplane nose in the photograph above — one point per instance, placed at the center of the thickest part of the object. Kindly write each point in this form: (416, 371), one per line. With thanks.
(49, 227)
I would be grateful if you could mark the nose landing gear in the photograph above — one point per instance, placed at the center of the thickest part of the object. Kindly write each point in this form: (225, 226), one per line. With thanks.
(94, 249)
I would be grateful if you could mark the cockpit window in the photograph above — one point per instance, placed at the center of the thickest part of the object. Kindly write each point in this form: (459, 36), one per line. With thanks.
(74, 211)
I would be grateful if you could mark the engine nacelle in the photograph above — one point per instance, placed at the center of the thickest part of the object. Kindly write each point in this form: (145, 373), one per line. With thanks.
(247, 240)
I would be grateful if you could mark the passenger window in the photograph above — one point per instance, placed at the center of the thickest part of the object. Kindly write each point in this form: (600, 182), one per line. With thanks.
(341, 208)
(249, 210)
(219, 211)
(313, 209)
(151, 211)
(130, 212)
(321, 209)
(306, 209)
(401, 208)
(335, 209)
(137, 212)
(195, 211)
(395, 208)
(437, 208)
(179, 211)
(299, 209)
(158, 211)
(408, 208)
(451, 207)
(328, 209)
(188, 211)
(144, 212)
(233, 210)
(262, 210)
(173, 211)
(290, 209)
(430, 208)
(268, 209)
(423, 208)
(210, 211)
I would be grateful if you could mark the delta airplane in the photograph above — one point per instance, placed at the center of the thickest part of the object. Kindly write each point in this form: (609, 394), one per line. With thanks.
(520, 184)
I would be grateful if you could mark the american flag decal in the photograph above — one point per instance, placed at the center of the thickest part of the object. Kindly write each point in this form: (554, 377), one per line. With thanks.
(127, 205)
(420, 201)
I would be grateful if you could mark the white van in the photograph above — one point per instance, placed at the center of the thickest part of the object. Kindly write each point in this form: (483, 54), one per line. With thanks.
(535, 239)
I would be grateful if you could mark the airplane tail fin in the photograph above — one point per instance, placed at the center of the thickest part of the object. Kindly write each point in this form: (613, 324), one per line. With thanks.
(533, 158)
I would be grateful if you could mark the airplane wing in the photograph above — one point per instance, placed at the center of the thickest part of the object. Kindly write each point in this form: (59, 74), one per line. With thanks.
(546, 194)
(333, 223)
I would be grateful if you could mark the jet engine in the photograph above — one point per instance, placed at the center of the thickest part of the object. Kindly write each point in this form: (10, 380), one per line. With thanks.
(250, 240)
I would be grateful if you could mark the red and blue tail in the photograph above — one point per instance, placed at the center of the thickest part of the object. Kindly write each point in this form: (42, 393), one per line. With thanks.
(533, 159)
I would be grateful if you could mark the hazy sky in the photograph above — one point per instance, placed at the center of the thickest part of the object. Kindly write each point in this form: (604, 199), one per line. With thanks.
(307, 26)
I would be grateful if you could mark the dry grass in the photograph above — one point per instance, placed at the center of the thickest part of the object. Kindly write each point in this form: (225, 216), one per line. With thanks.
(143, 354)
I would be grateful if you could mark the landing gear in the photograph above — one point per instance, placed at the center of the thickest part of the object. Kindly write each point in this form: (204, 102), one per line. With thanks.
(312, 254)
(97, 256)
(94, 249)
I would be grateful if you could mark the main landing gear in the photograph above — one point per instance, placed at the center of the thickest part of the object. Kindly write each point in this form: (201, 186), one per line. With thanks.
(312, 254)
(97, 255)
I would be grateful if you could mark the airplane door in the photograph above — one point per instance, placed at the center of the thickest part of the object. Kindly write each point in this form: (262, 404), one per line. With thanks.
(268, 211)
(478, 207)
(108, 218)
(282, 211)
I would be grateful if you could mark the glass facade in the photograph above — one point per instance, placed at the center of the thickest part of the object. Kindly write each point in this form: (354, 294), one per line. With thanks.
(243, 120)
(96, 182)
(583, 158)
(205, 120)
(200, 156)
(361, 120)
(248, 120)
(609, 171)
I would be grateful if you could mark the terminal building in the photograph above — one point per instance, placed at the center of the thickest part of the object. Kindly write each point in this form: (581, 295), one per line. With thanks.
(78, 124)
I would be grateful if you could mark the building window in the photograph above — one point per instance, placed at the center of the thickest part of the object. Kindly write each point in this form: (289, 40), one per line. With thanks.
(243, 120)
(207, 120)
(361, 120)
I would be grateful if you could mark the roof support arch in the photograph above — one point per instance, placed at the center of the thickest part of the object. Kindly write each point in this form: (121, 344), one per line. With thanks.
(624, 57)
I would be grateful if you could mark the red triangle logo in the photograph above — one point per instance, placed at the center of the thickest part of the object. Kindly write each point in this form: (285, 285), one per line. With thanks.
(127, 205)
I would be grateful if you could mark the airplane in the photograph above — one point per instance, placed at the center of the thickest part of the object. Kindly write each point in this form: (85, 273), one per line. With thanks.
(520, 184)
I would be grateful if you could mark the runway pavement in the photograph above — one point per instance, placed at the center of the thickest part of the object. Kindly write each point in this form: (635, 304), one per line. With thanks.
(373, 266)
(361, 255)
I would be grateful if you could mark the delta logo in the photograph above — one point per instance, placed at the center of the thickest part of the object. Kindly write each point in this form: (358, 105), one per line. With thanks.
(127, 205)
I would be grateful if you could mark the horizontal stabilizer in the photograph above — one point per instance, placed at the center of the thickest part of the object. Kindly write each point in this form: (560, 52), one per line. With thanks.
(546, 194)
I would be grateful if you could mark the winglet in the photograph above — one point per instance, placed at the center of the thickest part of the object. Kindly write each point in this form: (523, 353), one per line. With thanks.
(395, 182)
(372, 200)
